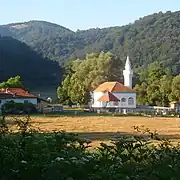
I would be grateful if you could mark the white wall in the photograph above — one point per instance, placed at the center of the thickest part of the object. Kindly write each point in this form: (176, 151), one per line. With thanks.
(120, 104)
(126, 96)
(20, 100)
(128, 74)
(95, 97)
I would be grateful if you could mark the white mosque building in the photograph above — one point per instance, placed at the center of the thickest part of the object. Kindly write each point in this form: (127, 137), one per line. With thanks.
(110, 95)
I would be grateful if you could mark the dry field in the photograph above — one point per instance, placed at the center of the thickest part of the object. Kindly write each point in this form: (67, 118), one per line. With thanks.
(100, 129)
(103, 128)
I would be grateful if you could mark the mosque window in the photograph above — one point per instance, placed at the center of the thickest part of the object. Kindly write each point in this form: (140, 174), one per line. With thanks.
(130, 101)
(123, 100)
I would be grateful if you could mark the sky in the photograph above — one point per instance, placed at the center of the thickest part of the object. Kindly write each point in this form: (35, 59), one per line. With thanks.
(83, 14)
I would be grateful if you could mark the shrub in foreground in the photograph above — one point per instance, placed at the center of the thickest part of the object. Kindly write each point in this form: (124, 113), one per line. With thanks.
(18, 108)
(33, 155)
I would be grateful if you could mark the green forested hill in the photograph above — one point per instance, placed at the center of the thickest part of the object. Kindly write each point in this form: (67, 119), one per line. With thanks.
(16, 58)
(152, 38)
(46, 38)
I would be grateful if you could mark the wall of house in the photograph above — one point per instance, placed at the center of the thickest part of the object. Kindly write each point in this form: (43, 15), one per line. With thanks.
(126, 95)
(120, 104)
(95, 97)
(20, 100)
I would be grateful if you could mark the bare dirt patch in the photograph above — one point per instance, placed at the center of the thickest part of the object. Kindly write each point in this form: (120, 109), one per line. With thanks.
(19, 26)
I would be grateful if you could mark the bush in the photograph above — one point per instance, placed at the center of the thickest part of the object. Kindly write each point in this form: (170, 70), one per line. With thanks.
(64, 156)
(18, 108)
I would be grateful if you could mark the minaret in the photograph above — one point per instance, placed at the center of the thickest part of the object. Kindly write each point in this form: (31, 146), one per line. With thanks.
(128, 73)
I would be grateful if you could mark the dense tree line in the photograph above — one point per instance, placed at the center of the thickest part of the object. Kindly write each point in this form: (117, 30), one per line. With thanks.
(16, 58)
(157, 86)
(151, 38)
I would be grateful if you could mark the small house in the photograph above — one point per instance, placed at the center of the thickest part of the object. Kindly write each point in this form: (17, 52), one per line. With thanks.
(19, 95)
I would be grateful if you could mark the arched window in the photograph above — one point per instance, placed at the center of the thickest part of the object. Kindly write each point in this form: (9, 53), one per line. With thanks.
(123, 100)
(130, 101)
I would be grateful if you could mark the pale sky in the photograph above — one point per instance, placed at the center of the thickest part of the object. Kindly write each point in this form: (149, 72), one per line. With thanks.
(83, 14)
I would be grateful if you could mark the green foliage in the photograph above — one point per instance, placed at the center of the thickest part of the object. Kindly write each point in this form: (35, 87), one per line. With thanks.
(155, 71)
(175, 94)
(87, 74)
(166, 89)
(29, 154)
(157, 87)
(142, 93)
(63, 92)
(19, 59)
(12, 108)
(151, 38)
(13, 82)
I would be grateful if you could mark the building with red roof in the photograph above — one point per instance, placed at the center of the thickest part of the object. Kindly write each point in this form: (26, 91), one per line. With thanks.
(19, 95)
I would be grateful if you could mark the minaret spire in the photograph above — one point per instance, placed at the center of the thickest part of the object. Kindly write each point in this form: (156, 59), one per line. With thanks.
(128, 63)
(128, 73)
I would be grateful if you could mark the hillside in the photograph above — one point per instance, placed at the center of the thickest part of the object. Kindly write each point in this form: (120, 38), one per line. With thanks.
(41, 36)
(151, 38)
(16, 58)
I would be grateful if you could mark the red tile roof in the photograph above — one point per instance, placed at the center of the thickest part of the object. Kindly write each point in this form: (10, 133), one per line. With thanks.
(17, 92)
(113, 87)
(108, 97)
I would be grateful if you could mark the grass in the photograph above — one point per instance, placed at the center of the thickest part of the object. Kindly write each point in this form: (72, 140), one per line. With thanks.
(79, 113)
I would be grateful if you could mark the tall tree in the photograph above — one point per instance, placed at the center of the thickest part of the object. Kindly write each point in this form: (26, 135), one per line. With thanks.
(87, 74)
(155, 87)
(175, 94)
(62, 92)
(165, 89)
(142, 93)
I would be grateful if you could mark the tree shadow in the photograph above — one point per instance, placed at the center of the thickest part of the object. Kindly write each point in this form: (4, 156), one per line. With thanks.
(103, 136)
